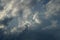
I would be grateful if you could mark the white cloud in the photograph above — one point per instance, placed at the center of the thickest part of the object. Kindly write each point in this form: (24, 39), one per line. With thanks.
(36, 18)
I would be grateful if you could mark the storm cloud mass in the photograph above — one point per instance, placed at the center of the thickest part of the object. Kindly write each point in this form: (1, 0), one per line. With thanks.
(29, 19)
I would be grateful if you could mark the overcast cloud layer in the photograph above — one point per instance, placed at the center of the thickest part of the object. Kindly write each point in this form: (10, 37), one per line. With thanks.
(30, 19)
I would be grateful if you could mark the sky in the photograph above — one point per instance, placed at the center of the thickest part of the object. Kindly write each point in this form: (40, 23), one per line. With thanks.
(29, 19)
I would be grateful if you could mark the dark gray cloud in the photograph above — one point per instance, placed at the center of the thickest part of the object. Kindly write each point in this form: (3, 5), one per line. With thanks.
(30, 19)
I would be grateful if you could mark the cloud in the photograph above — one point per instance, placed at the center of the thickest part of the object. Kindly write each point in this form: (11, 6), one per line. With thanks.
(38, 15)
(1, 26)
(52, 7)
(12, 8)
